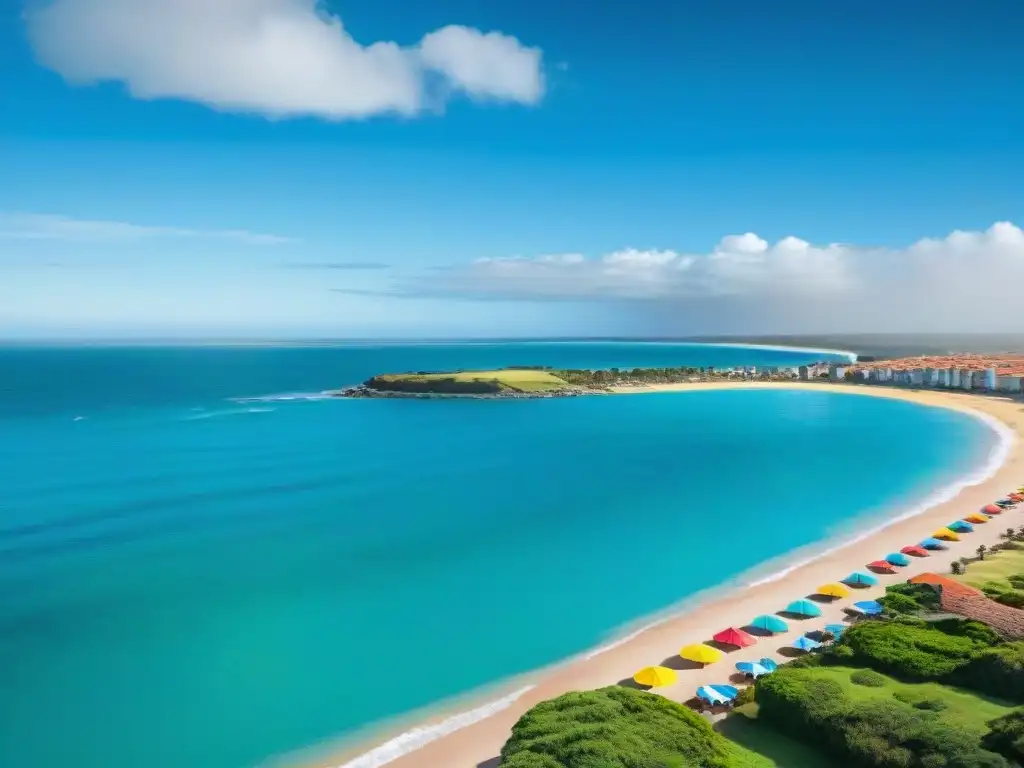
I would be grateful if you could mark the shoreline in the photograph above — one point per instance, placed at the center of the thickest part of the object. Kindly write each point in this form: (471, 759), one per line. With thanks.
(472, 736)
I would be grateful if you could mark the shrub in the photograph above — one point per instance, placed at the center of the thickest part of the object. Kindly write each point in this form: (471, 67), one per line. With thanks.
(1006, 735)
(910, 598)
(1016, 580)
(998, 671)
(613, 728)
(745, 696)
(867, 678)
(876, 732)
(931, 705)
(910, 651)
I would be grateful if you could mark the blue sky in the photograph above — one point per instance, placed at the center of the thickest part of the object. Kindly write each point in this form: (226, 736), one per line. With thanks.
(584, 169)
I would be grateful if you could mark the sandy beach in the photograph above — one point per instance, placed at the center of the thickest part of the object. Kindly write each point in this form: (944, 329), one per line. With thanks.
(478, 744)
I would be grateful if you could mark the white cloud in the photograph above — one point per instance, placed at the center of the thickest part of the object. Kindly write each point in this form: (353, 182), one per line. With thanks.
(968, 280)
(40, 226)
(275, 57)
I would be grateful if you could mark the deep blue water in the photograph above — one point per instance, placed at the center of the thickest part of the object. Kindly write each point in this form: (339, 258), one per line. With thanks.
(189, 580)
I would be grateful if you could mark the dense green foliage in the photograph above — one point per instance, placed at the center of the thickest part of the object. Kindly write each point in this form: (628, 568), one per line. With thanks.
(997, 671)
(1005, 593)
(909, 598)
(916, 650)
(1007, 735)
(614, 728)
(867, 732)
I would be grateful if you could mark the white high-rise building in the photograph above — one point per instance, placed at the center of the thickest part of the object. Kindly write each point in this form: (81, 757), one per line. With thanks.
(990, 379)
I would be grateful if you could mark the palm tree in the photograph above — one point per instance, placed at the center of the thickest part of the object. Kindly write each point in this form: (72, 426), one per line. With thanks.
(981, 550)
(956, 567)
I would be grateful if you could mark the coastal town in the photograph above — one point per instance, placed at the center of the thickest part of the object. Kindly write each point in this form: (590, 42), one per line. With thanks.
(976, 373)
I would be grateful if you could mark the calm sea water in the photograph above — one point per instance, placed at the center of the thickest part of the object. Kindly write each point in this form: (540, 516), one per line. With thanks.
(188, 579)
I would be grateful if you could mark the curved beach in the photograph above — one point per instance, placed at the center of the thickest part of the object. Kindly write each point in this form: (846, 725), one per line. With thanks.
(475, 739)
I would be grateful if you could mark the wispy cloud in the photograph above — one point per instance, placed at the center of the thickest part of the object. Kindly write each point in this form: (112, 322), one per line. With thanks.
(279, 58)
(39, 226)
(340, 265)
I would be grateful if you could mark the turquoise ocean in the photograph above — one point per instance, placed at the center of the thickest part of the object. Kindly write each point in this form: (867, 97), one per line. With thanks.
(206, 563)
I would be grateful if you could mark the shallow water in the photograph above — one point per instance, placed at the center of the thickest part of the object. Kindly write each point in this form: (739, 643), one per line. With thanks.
(194, 580)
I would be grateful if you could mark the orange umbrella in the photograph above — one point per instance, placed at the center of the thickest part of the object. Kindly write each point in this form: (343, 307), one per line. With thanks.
(882, 565)
(915, 550)
(733, 636)
(992, 509)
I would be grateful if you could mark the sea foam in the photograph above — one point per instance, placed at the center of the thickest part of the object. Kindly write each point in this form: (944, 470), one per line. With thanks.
(416, 738)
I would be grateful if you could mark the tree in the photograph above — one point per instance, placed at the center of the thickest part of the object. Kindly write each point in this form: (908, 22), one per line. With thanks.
(613, 727)
(981, 550)
(957, 568)
(1008, 534)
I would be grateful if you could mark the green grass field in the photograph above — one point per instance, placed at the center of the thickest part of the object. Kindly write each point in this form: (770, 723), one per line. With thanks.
(518, 380)
(760, 746)
(995, 567)
(756, 745)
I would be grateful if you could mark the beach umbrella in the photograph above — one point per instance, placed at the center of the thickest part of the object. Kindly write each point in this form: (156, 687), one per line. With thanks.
(769, 623)
(897, 558)
(948, 535)
(961, 526)
(804, 643)
(976, 518)
(916, 549)
(700, 653)
(992, 509)
(860, 579)
(655, 677)
(729, 691)
(803, 608)
(733, 636)
(932, 544)
(752, 668)
(710, 695)
(881, 565)
(836, 630)
(832, 590)
(768, 664)
(1004, 503)
(869, 607)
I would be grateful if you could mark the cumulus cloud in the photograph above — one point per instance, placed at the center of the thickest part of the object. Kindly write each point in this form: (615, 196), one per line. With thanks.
(966, 281)
(275, 57)
(40, 226)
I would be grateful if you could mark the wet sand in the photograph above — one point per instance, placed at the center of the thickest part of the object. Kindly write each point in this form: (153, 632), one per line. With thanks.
(478, 744)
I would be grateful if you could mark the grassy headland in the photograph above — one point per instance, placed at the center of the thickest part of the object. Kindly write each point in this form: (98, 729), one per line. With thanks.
(520, 381)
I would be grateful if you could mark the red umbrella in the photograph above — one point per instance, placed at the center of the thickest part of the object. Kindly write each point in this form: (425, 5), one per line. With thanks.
(915, 550)
(881, 565)
(992, 509)
(733, 636)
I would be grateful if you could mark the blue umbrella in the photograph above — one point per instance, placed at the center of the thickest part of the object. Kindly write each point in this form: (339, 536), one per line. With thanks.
(961, 525)
(769, 623)
(897, 558)
(768, 664)
(752, 668)
(803, 608)
(869, 607)
(729, 691)
(859, 578)
(933, 544)
(710, 695)
(804, 643)
(836, 630)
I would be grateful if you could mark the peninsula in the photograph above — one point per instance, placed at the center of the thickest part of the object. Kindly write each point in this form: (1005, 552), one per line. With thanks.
(537, 381)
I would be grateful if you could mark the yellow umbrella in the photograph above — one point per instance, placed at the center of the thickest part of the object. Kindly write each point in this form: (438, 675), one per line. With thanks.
(832, 590)
(702, 654)
(655, 676)
(976, 518)
(945, 533)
